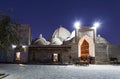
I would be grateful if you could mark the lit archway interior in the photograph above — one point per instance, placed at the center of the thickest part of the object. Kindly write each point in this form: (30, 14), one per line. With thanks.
(86, 46)
(84, 50)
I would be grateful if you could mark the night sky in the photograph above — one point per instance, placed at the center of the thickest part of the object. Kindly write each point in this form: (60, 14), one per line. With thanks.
(44, 16)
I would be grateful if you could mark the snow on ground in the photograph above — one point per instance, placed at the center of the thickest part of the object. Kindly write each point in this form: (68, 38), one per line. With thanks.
(60, 71)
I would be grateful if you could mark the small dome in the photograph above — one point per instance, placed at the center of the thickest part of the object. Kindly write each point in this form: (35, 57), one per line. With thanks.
(61, 33)
(100, 39)
(56, 41)
(41, 41)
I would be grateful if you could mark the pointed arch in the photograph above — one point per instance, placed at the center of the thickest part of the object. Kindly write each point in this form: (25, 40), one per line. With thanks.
(91, 45)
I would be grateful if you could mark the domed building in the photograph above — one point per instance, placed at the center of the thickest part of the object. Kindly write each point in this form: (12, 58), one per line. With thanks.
(65, 47)
(41, 41)
(82, 45)
(100, 39)
(59, 35)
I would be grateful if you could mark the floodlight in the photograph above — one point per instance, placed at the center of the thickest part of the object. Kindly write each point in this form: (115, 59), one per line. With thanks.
(96, 25)
(14, 46)
(77, 25)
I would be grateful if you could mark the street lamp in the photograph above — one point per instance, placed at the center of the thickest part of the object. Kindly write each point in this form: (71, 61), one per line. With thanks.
(76, 25)
(24, 46)
(95, 26)
(14, 46)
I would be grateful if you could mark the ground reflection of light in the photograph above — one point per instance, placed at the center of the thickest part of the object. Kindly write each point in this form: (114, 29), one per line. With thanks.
(21, 65)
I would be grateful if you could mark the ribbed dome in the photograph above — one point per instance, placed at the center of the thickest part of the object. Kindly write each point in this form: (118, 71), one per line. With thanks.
(61, 33)
(41, 41)
(100, 39)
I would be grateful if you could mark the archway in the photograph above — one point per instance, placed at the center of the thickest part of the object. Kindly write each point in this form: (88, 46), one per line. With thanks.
(86, 48)
(84, 51)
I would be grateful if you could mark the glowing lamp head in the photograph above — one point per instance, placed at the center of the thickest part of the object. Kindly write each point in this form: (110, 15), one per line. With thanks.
(96, 25)
(14, 46)
(23, 46)
(77, 25)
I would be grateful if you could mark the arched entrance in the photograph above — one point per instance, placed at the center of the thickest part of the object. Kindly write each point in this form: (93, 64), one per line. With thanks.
(84, 51)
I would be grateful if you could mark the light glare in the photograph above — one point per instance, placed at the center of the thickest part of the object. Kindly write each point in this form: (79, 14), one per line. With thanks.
(77, 25)
(96, 25)
(14, 46)
(23, 46)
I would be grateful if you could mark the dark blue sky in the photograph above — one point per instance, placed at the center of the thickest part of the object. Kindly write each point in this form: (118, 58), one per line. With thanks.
(45, 16)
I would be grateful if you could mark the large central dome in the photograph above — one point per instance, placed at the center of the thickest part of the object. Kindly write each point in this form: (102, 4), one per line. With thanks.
(60, 33)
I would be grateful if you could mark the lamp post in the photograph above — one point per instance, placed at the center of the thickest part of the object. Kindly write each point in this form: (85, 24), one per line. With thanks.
(95, 26)
(77, 25)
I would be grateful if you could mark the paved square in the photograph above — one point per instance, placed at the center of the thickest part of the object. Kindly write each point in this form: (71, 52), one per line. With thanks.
(60, 71)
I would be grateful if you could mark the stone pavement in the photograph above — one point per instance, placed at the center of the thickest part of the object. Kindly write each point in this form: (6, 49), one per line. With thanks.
(21, 71)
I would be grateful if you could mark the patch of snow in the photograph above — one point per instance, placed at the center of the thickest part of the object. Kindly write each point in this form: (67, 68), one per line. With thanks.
(60, 71)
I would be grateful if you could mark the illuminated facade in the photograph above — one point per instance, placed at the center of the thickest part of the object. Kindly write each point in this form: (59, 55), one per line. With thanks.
(65, 47)
(81, 45)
